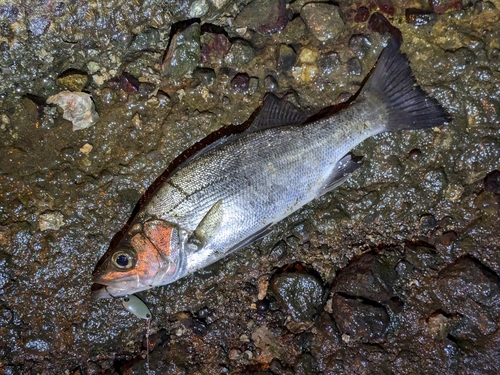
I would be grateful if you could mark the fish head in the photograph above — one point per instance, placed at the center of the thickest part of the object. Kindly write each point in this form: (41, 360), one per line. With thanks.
(148, 256)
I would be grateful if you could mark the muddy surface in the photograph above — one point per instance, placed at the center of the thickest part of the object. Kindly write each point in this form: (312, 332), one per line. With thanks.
(395, 272)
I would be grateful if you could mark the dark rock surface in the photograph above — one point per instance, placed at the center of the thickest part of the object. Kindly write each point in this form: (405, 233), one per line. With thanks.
(407, 250)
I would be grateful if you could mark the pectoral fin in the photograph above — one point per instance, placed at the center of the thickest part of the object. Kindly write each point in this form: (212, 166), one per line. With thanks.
(341, 172)
(210, 223)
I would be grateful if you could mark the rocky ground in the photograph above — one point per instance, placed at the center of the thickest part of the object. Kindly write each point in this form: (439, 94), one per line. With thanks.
(396, 272)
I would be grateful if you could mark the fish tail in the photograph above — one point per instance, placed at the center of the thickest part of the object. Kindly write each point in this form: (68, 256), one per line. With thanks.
(407, 105)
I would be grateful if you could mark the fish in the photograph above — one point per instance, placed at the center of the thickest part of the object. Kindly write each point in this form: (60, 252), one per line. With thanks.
(231, 193)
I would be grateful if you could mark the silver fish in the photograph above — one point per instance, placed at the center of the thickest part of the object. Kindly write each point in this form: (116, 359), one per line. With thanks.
(232, 193)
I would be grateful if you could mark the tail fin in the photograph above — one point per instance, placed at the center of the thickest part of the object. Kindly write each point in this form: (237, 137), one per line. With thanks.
(408, 106)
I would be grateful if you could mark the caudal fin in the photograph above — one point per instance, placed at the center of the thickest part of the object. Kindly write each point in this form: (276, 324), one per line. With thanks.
(408, 106)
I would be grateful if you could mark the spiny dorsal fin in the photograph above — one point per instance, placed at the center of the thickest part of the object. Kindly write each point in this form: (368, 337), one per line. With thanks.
(276, 112)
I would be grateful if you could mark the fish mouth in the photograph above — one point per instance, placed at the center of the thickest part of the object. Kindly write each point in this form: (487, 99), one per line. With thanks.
(99, 291)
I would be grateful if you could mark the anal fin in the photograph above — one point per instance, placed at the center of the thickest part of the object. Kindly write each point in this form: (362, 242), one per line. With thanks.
(341, 172)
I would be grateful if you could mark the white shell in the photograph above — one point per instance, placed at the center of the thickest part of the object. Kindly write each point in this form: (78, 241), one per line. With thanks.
(78, 108)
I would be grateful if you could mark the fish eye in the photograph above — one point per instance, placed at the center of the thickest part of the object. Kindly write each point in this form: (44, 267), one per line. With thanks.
(123, 260)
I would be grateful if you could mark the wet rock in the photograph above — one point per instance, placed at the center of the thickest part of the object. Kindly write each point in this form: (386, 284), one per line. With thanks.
(214, 48)
(240, 82)
(287, 57)
(472, 290)
(73, 80)
(418, 17)
(240, 53)
(198, 9)
(183, 53)
(299, 293)
(147, 40)
(441, 6)
(304, 365)
(371, 276)
(366, 321)
(263, 16)
(323, 20)
(269, 344)
(378, 23)
(126, 82)
(78, 108)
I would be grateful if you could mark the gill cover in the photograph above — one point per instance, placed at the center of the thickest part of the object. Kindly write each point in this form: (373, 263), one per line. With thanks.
(150, 256)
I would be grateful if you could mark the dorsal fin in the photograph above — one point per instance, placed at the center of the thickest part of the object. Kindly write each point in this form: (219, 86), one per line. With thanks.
(276, 112)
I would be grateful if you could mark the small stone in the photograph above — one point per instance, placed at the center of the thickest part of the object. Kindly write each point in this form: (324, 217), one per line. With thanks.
(418, 17)
(86, 148)
(73, 80)
(50, 220)
(287, 57)
(198, 9)
(454, 192)
(386, 6)
(263, 16)
(308, 56)
(270, 83)
(240, 53)
(183, 54)
(362, 14)
(78, 108)
(323, 20)
(487, 202)
(93, 67)
(39, 25)
(427, 222)
(381, 25)
(441, 6)
(358, 319)
(354, 66)
(214, 48)
(234, 354)
(147, 40)
(359, 45)
(240, 82)
(492, 182)
(300, 293)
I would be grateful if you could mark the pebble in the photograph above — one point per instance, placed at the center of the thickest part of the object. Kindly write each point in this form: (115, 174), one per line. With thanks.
(263, 16)
(287, 57)
(86, 148)
(381, 25)
(418, 17)
(323, 20)
(183, 53)
(73, 80)
(441, 6)
(214, 48)
(300, 293)
(78, 108)
(198, 9)
(240, 53)
(240, 82)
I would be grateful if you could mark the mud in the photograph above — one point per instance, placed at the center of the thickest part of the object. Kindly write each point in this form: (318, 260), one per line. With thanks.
(402, 262)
